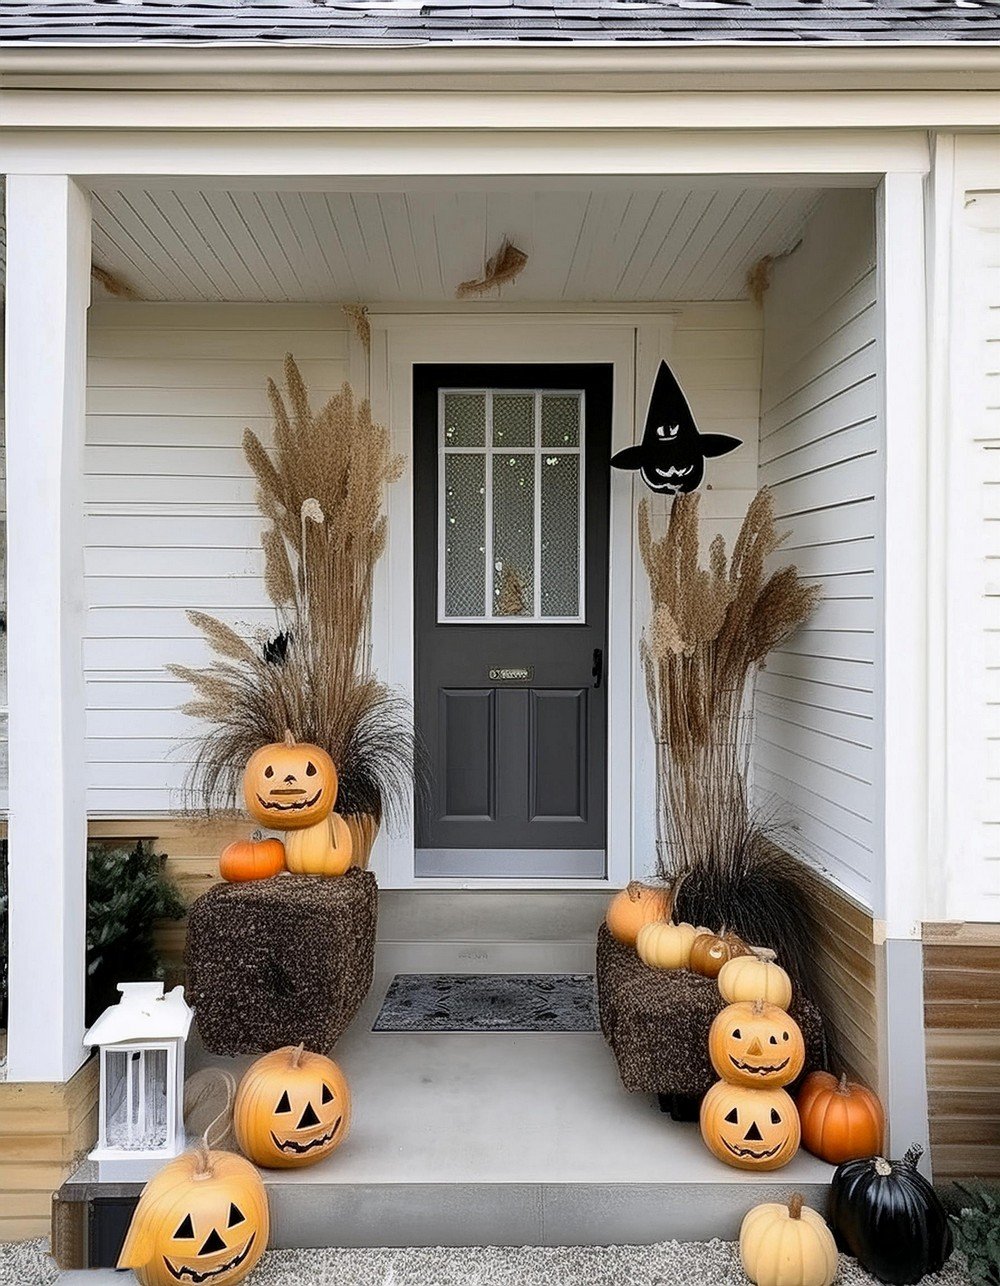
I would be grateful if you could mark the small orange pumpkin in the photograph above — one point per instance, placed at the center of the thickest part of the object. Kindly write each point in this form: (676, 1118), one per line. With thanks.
(637, 904)
(293, 1108)
(841, 1120)
(710, 951)
(252, 859)
(289, 784)
(753, 1043)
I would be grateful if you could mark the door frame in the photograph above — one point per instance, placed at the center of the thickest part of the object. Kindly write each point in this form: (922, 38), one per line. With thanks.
(631, 343)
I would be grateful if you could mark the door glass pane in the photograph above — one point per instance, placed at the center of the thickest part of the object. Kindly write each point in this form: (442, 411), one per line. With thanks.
(561, 535)
(513, 420)
(560, 420)
(465, 534)
(465, 419)
(513, 534)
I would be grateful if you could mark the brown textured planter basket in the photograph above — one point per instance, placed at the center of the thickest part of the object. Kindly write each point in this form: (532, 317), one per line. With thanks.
(364, 830)
(656, 1022)
(282, 961)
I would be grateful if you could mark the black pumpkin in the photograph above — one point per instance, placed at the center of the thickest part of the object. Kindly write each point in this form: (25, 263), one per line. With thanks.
(888, 1216)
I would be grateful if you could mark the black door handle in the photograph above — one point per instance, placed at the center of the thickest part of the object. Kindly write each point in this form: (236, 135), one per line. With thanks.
(598, 669)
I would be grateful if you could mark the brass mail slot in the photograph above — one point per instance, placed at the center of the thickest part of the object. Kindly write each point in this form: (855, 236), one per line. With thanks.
(511, 674)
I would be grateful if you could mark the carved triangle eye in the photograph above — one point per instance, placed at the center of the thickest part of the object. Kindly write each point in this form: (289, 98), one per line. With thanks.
(327, 1095)
(283, 1104)
(185, 1230)
(732, 1117)
(236, 1215)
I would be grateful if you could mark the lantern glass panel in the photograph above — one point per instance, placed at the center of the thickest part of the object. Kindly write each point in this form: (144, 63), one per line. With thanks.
(136, 1099)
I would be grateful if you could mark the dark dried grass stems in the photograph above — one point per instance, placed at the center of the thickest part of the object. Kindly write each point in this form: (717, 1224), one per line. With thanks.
(710, 630)
(321, 488)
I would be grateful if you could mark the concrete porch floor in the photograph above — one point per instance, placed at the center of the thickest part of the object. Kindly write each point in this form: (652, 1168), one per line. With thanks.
(505, 1139)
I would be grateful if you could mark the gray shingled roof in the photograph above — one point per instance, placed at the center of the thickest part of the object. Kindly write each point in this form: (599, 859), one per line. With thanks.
(69, 22)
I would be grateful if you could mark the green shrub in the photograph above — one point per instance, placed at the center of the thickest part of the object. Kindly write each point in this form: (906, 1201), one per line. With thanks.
(127, 892)
(974, 1211)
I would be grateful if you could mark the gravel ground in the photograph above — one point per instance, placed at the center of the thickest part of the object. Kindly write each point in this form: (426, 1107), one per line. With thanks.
(671, 1263)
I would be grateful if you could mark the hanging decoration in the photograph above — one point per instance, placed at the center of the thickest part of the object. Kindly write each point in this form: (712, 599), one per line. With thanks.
(671, 456)
(503, 267)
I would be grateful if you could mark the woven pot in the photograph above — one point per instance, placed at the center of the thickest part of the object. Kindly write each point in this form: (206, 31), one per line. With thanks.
(363, 828)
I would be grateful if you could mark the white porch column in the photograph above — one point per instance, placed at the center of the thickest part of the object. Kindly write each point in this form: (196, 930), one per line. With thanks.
(905, 681)
(48, 291)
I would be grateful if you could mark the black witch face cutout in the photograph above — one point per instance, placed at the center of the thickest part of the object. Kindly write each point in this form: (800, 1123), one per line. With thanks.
(671, 456)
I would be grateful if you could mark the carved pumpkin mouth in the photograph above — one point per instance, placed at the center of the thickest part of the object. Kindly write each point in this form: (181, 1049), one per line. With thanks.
(749, 1152)
(278, 806)
(292, 1145)
(758, 1071)
(675, 471)
(192, 1275)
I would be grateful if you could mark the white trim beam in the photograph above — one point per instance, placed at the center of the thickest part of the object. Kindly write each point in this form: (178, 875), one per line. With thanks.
(48, 291)
(451, 149)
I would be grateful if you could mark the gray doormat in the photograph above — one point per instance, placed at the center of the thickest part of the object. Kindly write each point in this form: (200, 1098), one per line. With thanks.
(508, 1002)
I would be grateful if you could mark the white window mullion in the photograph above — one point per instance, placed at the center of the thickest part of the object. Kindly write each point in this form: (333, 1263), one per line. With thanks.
(488, 513)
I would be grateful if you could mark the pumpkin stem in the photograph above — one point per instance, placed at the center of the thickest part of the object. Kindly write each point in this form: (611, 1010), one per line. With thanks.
(257, 835)
(795, 1203)
(913, 1154)
(842, 1087)
(289, 739)
(758, 1006)
(882, 1167)
(202, 1160)
(297, 1055)
(634, 890)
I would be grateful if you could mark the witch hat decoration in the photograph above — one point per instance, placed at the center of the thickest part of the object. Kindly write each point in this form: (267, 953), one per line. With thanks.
(671, 456)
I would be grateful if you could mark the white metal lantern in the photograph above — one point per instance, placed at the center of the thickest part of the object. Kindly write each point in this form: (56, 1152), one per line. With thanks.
(141, 1042)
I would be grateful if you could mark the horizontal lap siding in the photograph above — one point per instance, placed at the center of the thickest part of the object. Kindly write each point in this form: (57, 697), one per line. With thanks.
(817, 740)
(170, 517)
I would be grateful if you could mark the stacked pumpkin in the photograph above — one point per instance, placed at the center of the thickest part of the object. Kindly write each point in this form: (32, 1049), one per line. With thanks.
(292, 787)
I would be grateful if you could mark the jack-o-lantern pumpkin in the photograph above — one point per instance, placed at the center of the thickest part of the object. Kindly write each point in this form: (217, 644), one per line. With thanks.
(289, 784)
(750, 1129)
(754, 1043)
(293, 1108)
(637, 904)
(202, 1218)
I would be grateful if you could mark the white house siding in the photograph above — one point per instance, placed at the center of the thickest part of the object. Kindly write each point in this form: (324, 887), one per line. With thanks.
(817, 728)
(170, 517)
(969, 887)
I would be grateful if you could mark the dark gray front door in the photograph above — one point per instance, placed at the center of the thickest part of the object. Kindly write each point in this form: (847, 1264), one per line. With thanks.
(511, 574)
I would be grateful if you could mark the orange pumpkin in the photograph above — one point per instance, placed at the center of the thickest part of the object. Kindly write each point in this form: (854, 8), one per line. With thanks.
(293, 1108)
(202, 1218)
(750, 1129)
(634, 906)
(323, 849)
(252, 859)
(753, 1043)
(841, 1120)
(289, 784)
(710, 951)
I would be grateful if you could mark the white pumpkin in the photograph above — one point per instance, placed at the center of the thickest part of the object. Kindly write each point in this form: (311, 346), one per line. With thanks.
(787, 1245)
(663, 945)
(750, 978)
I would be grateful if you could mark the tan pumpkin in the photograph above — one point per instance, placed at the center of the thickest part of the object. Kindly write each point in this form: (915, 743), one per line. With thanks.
(756, 1044)
(634, 906)
(710, 951)
(202, 1218)
(750, 978)
(841, 1120)
(749, 1129)
(323, 849)
(252, 859)
(289, 784)
(293, 1108)
(787, 1245)
(664, 945)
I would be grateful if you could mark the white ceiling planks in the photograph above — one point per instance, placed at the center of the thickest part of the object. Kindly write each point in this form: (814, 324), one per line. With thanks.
(612, 244)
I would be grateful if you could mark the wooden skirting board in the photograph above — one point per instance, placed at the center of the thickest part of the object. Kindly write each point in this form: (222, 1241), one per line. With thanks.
(962, 1022)
(44, 1130)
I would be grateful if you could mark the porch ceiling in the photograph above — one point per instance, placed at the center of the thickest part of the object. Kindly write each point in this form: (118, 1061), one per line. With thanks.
(616, 244)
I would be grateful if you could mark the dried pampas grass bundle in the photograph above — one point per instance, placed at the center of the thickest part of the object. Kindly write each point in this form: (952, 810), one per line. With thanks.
(711, 628)
(505, 266)
(321, 490)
